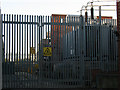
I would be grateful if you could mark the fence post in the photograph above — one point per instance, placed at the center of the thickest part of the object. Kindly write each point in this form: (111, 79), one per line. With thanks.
(100, 15)
(0, 50)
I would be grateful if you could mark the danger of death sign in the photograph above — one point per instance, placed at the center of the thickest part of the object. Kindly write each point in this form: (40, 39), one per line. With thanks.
(47, 51)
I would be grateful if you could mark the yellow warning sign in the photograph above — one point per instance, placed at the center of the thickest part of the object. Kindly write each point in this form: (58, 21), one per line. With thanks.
(47, 51)
(32, 50)
(36, 66)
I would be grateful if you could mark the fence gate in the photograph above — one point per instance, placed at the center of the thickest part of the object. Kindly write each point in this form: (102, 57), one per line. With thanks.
(56, 51)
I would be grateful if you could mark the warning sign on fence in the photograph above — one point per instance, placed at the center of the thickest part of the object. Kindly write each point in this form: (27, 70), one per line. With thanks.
(47, 51)
(32, 50)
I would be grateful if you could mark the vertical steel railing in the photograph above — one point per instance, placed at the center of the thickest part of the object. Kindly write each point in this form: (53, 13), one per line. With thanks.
(23, 65)
(80, 45)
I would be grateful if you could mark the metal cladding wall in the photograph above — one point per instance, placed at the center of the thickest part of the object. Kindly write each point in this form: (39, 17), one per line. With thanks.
(97, 42)
(71, 43)
(95, 49)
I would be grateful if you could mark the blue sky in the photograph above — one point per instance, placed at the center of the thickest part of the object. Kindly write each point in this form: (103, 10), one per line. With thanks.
(48, 7)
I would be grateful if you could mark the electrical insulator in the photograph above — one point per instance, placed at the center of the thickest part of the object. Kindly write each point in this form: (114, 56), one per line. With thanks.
(80, 15)
(92, 13)
(85, 16)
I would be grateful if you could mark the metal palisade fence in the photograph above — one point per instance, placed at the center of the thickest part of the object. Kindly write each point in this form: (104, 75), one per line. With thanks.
(57, 51)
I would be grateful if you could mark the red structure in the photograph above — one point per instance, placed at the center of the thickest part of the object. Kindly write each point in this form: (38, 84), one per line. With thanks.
(104, 17)
(57, 31)
(118, 15)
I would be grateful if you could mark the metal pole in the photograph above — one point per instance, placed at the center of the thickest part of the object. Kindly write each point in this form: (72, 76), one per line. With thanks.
(100, 15)
(92, 11)
(0, 51)
(86, 14)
